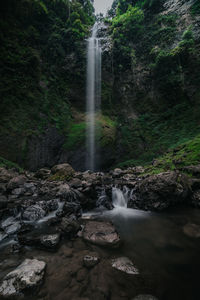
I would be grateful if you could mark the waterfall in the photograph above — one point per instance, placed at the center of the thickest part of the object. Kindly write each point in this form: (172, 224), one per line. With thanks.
(93, 96)
(120, 197)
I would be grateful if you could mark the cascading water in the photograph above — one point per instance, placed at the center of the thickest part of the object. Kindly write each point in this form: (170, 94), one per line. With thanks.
(93, 96)
(120, 197)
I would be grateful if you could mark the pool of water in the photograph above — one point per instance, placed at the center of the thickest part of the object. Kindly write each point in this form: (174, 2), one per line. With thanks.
(157, 244)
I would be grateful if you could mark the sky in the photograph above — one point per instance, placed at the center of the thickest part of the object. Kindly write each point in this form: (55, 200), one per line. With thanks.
(101, 6)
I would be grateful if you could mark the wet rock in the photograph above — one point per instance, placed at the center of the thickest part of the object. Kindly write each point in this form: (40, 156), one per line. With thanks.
(13, 228)
(43, 173)
(67, 193)
(3, 236)
(104, 201)
(157, 192)
(16, 182)
(124, 264)
(50, 241)
(27, 275)
(117, 173)
(69, 226)
(33, 213)
(101, 233)
(72, 208)
(192, 230)
(145, 297)
(90, 261)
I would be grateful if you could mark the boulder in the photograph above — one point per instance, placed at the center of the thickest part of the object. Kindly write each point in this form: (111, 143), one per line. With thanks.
(101, 233)
(6, 175)
(50, 241)
(33, 213)
(16, 182)
(3, 202)
(63, 170)
(157, 192)
(124, 264)
(27, 275)
(43, 173)
(69, 226)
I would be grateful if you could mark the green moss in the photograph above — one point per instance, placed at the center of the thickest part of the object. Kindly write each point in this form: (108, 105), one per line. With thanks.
(9, 165)
(76, 136)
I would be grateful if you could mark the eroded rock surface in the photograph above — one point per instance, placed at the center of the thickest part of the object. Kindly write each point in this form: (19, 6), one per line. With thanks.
(27, 275)
(101, 233)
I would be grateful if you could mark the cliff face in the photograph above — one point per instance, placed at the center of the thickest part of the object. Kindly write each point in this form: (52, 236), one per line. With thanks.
(155, 79)
(150, 84)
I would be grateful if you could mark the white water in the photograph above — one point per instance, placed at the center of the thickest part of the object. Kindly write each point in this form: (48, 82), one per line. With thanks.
(93, 96)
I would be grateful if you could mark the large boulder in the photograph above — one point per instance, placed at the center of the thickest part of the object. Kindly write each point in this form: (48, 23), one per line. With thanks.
(64, 171)
(27, 275)
(157, 192)
(101, 233)
(16, 182)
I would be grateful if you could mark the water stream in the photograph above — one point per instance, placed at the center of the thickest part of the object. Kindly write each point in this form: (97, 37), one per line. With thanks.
(93, 96)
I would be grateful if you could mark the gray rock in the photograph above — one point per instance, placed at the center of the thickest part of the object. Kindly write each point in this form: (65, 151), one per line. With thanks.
(27, 275)
(33, 213)
(69, 226)
(43, 173)
(18, 191)
(101, 233)
(124, 264)
(13, 228)
(50, 241)
(16, 182)
(90, 261)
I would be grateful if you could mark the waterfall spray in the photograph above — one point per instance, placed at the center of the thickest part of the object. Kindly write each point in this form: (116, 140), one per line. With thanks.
(93, 96)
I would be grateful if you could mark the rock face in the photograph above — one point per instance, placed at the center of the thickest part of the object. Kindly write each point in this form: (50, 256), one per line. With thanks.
(124, 264)
(101, 233)
(29, 274)
(158, 192)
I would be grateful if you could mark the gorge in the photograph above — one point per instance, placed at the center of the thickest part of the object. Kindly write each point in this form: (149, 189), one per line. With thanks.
(99, 150)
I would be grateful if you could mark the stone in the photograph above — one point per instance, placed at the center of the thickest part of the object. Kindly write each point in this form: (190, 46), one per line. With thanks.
(124, 264)
(33, 213)
(101, 233)
(63, 170)
(145, 297)
(27, 275)
(72, 208)
(43, 173)
(13, 228)
(6, 175)
(50, 241)
(16, 182)
(158, 192)
(90, 261)
(69, 226)
(192, 230)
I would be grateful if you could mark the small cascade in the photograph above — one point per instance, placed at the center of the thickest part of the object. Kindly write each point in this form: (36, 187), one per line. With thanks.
(93, 96)
(120, 197)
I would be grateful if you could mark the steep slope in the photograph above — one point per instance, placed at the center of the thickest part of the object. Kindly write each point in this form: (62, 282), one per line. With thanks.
(155, 67)
(43, 76)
